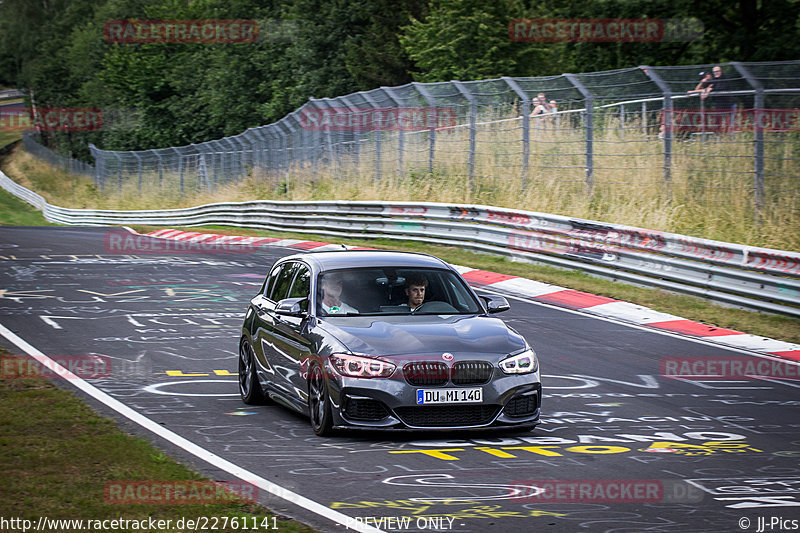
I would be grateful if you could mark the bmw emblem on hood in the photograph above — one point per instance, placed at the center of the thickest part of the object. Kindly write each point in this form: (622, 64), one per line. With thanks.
(447, 356)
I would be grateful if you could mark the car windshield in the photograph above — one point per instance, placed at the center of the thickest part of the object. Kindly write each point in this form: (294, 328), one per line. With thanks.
(393, 291)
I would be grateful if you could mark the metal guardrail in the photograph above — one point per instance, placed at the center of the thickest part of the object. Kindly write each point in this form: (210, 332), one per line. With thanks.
(756, 278)
(11, 94)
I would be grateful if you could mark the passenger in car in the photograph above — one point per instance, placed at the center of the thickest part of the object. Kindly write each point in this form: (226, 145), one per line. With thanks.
(332, 303)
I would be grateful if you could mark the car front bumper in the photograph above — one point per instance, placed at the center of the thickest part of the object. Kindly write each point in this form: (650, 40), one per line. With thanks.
(391, 403)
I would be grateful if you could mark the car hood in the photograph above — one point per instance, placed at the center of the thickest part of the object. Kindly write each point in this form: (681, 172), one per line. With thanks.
(424, 335)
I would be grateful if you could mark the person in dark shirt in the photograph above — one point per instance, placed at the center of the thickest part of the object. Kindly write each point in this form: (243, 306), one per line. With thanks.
(719, 83)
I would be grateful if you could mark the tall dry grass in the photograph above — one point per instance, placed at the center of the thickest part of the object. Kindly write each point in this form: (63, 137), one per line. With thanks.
(710, 193)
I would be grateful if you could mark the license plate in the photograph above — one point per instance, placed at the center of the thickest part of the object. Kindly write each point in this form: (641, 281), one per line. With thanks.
(431, 396)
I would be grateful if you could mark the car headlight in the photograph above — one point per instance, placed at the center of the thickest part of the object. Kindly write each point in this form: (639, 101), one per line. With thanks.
(356, 366)
(522, 363)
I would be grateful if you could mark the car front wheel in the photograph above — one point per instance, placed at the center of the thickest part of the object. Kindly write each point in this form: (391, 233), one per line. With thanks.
(318, 402)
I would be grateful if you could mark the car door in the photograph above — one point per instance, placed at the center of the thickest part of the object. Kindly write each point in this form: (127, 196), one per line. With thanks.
(292, 344)
(276, 288)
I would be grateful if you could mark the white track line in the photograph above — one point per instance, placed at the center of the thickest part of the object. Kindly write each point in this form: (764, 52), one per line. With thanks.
(185, 444)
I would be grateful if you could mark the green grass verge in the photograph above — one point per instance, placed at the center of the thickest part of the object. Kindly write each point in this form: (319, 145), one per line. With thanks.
(9, 136)
(58, 455)
(15, 212)
(773, 326)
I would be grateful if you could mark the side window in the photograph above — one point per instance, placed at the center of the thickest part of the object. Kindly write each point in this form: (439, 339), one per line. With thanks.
(281, 288)
(302, 283)
(269, 283)
(456, 294)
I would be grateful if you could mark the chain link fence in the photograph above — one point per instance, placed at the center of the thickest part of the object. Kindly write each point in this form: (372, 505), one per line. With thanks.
(595, 134)
(69, 164)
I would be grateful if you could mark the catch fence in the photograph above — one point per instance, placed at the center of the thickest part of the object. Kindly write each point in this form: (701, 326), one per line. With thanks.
(612, 133)
(68, 163)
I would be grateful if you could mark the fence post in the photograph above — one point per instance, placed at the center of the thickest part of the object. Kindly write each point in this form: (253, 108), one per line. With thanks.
(298, 143)
(285, 132)
(400, 132)
(95, 155)
(335, 139)
(758, 141)
(432, 134)
(258, 150)
(268, 155)
(180, 167)
(139, 164)
(377, 133)
(526, 126)
(160, 169)
(288, 147)
(644, 118)
(236, 157)
(119, 170)
(323, 104)
(473, 116)
(216, 161)
(316, 142)
(666, 120)
(242, 159)
(236, 163)
(355, 132)
(589, 128)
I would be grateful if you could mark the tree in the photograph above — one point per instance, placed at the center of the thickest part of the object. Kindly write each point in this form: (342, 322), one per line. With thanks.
(468, 40)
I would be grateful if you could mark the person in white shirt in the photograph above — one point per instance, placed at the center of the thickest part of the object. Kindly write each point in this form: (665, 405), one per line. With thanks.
(332, 303)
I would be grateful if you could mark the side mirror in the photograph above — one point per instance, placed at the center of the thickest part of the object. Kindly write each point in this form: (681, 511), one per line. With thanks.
(496, 304)
(292, 307)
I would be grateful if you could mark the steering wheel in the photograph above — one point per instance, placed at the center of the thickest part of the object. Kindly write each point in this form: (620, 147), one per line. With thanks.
(436, 307)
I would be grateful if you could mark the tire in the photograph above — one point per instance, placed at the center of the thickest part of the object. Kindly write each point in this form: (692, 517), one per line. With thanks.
(249, 387)
(319, 404)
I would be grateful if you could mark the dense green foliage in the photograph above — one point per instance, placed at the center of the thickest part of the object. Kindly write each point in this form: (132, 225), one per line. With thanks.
(167, 94)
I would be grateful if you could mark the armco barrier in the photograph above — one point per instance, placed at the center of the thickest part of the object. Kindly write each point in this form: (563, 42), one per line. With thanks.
(756, 278)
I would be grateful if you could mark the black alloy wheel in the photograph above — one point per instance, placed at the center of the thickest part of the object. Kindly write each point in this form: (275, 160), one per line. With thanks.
(249, 387)
(319, 404)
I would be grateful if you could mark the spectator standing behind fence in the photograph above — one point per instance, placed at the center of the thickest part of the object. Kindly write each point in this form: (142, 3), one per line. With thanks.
(539, 107)
(722, 102)
(704, 87)
(719, 83)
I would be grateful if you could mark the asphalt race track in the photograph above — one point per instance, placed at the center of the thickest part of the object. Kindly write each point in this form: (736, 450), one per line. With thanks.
(620, 448)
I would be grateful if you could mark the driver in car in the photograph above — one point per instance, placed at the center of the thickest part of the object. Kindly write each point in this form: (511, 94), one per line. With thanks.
(415, 290)
(332, 303)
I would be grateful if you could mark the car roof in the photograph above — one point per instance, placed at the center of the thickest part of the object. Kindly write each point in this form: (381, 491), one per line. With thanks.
(334, 260)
